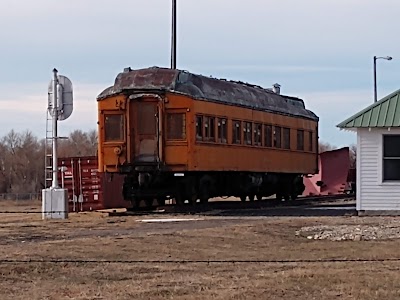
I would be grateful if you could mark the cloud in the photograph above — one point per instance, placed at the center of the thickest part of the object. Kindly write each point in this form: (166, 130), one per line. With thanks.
(334, 107)
(321, 50)
(23, 110)
(28, 111)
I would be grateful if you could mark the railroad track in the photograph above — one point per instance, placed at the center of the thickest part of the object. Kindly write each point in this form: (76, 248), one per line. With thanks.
(234, 205)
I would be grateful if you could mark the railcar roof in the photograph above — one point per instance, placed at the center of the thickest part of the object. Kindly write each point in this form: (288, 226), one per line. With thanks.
(206, 88)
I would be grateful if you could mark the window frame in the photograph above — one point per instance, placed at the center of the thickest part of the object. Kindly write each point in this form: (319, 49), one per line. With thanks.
(286, 143)
(237, 132)
(222, 130)
(209, 129)
(268, 138)
(310, 141)
(275, 135)
(258, 134)
(300, 145)
(248, 133)
(122, 129)
(387, 158)
(199, 128)
(184, 124)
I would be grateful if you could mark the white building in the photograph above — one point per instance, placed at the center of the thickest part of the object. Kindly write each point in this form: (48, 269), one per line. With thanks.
(378, 156)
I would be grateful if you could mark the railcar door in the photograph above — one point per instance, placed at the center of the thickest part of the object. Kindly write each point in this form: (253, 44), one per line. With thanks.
(144, 116)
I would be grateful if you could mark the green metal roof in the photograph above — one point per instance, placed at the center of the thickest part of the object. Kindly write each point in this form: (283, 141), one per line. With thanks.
(383, 113)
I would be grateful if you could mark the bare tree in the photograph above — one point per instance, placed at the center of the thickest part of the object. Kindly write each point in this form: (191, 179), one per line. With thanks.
(22, 158)
(353, 156)
(323, 146)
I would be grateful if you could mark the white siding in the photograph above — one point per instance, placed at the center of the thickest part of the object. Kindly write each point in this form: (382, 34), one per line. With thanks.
(372, 192)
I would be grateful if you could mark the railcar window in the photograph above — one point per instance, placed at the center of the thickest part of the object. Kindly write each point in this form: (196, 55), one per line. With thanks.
(300, 140)
(391, 157)
(146, 118)
(268, 136)
(114, 128)
(257, 134)
(222, 130)
(199, 128)
(286, 138)
(237, 133)
(310, 141)
(277, 137)
(176, 126)
(247, 132)
(209, 129)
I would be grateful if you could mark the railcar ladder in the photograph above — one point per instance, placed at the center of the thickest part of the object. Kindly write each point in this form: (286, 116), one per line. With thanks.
(48, 150)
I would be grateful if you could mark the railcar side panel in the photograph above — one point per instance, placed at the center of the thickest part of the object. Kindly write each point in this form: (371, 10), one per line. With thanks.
(226, 156)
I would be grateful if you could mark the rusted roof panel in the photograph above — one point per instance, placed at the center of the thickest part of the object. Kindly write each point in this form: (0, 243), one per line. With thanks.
(208, 89)
(382, 114)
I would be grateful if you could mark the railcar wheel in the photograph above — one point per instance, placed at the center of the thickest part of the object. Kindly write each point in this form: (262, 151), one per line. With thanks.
(148, 202)
(179, 200)
(251, 198)
(135, 202)
(161, 201)
(204, 191)
(259, 197)
(204, 198)
(243, 198)
(279, 196)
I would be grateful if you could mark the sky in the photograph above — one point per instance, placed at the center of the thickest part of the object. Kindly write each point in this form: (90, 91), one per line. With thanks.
(319, 51)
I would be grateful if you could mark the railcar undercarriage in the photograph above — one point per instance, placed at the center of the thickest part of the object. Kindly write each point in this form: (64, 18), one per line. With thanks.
(153, 188)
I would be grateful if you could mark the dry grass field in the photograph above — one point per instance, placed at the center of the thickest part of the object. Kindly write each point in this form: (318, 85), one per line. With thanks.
(92, 237)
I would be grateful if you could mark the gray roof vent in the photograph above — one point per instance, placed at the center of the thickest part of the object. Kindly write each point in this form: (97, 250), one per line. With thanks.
(276, 88)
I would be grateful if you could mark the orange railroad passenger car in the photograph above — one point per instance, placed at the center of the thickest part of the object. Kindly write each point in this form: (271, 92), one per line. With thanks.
(185, 136)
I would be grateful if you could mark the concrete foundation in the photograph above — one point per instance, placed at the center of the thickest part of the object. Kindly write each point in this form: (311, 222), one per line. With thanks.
(54, 203)
(365, 213)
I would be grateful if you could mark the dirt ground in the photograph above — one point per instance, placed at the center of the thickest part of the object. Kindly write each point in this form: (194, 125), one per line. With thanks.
(266, 246)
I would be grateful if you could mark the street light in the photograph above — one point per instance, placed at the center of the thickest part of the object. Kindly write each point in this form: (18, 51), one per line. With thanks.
(375, 88)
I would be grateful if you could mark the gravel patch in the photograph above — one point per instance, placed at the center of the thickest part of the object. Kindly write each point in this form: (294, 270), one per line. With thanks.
(360, 232)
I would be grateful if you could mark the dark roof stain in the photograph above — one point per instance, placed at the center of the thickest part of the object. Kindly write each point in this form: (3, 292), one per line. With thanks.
(206, 88)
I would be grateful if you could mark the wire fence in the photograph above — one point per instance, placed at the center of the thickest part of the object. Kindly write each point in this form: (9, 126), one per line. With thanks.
(268, 261)
(21, 196)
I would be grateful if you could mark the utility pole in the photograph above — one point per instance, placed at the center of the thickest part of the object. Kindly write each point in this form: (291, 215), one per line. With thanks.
(173, 36)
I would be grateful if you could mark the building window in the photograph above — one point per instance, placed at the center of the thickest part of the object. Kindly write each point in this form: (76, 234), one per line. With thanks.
(199, 128)
(247, 132)
(286, 138)
(268, 136)
(222, 130)
(176, 126)
(310, 141)
(277, 137)
(391, 157)
(113, 128)
(209, 129)
(300, 140)
(236, 132)
(257, 134)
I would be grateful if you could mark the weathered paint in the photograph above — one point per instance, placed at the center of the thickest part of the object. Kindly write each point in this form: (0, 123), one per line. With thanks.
(80, 177)
(89, 189)
(209, 89)
(333, 173)
(138, 87)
